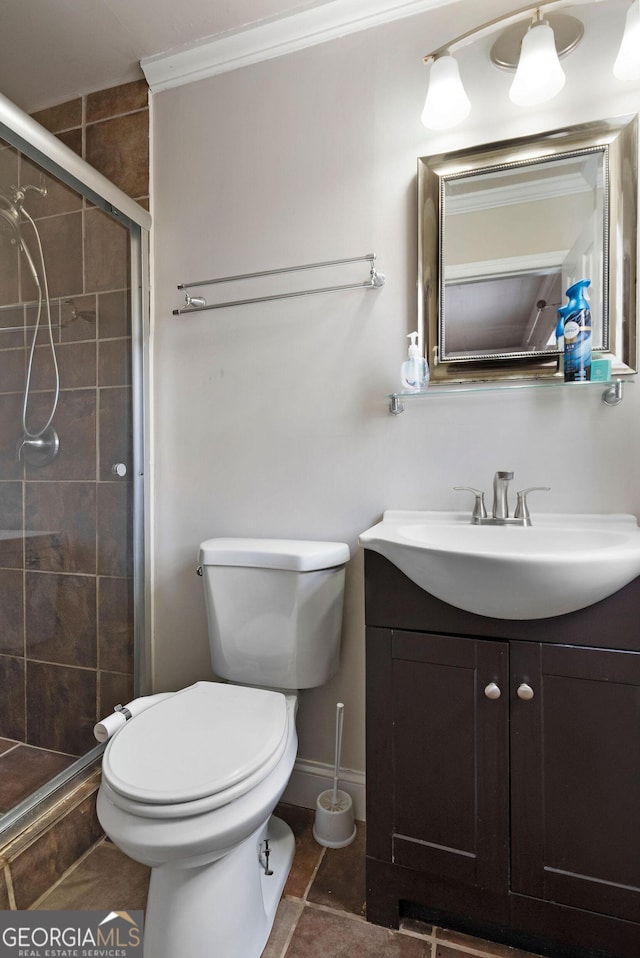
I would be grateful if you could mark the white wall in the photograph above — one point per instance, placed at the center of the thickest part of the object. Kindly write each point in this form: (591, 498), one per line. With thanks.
(271, 420)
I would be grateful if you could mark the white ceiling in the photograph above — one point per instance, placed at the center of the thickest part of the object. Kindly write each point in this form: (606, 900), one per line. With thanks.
(53, 50)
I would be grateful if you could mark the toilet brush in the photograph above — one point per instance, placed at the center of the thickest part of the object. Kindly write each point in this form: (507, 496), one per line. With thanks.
(334, 826)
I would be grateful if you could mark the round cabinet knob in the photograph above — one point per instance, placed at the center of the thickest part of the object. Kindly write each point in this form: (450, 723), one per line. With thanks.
(119, 469)
(492, 691)
(525, 692)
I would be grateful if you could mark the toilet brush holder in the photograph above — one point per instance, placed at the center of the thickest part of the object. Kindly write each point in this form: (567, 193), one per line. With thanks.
(334, 826)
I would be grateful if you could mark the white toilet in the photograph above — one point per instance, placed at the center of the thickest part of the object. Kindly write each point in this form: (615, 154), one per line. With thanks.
(189, 783)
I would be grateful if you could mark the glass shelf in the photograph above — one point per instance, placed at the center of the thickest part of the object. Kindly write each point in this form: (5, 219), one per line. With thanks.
(612, 394)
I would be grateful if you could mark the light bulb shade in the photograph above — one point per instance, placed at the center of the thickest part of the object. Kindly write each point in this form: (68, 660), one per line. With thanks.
(447, 103)
(627, 65)
(539, 75)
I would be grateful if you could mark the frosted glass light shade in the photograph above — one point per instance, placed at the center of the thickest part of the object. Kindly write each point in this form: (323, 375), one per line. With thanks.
(447, 103)
(539, 75)
(627, 65)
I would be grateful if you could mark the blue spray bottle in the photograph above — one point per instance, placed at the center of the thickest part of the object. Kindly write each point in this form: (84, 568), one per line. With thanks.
(577, 335)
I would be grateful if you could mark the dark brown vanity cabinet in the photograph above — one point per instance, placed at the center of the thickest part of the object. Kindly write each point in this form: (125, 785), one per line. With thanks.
(503, 769)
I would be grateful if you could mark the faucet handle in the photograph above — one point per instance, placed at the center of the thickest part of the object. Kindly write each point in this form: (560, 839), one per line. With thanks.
(522, 508)
(479, 508)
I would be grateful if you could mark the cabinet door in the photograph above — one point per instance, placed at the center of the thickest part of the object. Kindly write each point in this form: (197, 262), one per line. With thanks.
(575, 777)
(449, 758)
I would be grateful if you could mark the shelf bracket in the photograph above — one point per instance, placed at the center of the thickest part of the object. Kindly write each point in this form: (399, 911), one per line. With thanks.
(614, 394)
(396, 406)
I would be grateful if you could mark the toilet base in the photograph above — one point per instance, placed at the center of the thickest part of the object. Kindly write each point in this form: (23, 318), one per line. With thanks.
(224, 909)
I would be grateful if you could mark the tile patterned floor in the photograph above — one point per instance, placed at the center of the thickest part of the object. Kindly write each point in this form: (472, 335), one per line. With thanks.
(321, 914)
(23, 769)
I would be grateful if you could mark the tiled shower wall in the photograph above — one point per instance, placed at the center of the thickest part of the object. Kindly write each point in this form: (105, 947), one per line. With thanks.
(66, 636)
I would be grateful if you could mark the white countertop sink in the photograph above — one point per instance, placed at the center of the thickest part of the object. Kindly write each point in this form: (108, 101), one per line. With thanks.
(561, 563)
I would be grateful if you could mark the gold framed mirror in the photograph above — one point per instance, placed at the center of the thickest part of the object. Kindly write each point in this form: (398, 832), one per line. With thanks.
(505, 228)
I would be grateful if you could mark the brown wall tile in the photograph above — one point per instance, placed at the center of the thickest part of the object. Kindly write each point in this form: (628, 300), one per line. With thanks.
(119, 149)
(11, 545)
(115, 504)
(61, 117)
(78, 319)
(75, 423)
(9, 319)
(115, 619)
(115, 689)
(114, 362)
(10, 273)
(12, 700)
(107, 260)
(115, 426)
(61, 707)
(117, 100)
(67, 510)
(12, 369)
(59, 197)
(61, 237)
(114, 314)
(10, 432)
(11, 613)
(61, 618)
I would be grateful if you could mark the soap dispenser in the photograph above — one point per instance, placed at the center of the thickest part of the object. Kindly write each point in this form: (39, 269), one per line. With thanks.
(577, 335)
(414, 371)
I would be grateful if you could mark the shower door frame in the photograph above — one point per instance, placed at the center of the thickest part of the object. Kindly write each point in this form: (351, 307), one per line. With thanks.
(35, 142)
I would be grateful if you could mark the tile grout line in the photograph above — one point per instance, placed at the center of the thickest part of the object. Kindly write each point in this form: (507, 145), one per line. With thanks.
(10, 891)
(323, 852)
(292, 930)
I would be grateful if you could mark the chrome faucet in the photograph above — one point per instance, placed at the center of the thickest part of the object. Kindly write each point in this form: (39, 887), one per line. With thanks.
(501, 482)
(500, 513)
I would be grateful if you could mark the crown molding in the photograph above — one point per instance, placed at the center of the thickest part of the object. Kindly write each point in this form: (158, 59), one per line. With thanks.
(275, 38)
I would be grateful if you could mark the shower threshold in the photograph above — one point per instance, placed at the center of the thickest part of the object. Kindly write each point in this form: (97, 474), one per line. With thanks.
(31, 778)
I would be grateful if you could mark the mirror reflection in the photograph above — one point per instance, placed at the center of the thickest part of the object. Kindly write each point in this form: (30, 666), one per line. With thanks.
(514, 239)
(505, 229)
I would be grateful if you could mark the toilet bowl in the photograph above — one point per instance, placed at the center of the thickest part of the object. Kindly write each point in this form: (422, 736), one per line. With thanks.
(198, 811)
(190, 780)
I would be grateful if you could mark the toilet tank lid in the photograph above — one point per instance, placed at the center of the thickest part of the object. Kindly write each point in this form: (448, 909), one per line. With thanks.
(298, 555)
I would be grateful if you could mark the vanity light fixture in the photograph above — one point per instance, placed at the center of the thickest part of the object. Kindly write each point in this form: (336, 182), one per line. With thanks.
(627, 65)
(539, 75)
(532, 48)
(447, 103)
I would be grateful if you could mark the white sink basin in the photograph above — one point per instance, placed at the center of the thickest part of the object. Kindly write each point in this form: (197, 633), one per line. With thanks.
(559, 564)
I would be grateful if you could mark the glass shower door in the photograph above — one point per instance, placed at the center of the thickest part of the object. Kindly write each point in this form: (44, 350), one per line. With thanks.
(66, 475)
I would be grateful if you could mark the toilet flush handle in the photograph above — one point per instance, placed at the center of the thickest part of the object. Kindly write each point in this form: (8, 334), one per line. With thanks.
(199, 570)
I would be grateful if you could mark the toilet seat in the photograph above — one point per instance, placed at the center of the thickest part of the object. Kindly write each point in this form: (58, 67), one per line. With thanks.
(199, 749)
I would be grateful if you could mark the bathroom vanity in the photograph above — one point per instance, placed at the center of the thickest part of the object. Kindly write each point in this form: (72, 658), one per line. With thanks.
(503, 769)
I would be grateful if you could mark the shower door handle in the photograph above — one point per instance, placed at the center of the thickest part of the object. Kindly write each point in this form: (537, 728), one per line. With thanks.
(119, 469)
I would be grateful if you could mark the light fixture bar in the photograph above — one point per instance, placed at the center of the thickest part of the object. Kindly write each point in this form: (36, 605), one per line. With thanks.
(486, 28)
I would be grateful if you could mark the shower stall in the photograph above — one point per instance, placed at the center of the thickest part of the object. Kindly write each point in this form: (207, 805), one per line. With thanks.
(73, 291)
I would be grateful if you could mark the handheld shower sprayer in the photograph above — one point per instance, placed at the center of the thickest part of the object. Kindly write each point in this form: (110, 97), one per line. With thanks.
(42, 443)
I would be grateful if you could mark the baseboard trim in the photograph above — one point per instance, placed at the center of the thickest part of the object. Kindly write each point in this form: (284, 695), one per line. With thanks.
(308, 779)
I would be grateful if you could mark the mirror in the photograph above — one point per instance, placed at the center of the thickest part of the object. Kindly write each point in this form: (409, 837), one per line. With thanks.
(505, 229)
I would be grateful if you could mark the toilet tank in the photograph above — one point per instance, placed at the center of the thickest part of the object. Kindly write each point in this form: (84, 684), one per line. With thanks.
(274, 609)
